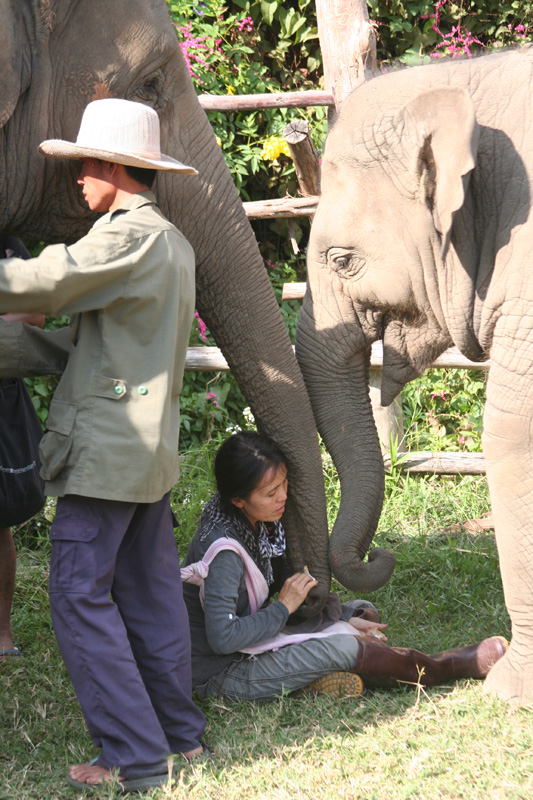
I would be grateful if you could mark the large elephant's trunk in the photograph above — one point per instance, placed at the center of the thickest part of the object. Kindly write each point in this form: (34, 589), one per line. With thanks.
(235, 298)
(335, 369)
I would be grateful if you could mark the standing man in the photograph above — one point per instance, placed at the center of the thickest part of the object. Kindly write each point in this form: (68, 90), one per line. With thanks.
(110, 453)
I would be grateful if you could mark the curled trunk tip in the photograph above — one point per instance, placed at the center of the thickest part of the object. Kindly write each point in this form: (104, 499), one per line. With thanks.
(362, 576)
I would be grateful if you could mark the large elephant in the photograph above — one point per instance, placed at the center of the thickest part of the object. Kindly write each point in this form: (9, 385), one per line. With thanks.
(55, 57)
(423, 238)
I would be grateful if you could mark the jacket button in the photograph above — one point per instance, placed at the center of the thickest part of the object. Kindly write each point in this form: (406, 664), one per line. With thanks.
(142, 390)
(119, 389)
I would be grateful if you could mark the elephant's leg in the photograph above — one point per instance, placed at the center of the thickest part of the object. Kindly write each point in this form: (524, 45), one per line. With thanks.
(507, 446)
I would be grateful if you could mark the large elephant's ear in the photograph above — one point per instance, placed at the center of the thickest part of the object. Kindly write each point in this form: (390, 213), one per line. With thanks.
(11, 56)
(442, 135)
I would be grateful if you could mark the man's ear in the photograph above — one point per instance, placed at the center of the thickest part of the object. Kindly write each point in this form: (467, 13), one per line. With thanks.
(14, 56)
(441, 135)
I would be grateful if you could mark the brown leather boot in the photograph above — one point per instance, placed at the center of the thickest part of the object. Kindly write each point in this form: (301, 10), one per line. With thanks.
(383, 666)
(474, 661)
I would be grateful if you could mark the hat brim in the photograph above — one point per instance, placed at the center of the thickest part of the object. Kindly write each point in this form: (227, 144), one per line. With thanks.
(58, 148)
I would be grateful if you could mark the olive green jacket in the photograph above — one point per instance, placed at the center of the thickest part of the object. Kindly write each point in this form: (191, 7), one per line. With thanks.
(113, 425)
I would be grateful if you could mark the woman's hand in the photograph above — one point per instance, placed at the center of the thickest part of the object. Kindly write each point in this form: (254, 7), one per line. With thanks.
(366, 625)
(295, 590)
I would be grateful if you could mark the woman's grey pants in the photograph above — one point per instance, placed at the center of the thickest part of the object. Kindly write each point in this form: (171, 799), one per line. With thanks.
(266, 676)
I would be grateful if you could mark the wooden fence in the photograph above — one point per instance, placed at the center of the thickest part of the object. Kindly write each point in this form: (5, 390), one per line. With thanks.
(348, 50)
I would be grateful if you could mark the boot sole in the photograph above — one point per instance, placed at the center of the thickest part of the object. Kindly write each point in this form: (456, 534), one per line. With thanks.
(338, 684)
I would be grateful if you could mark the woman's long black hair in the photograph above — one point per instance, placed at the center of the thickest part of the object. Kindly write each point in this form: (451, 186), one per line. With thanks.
(241, 463)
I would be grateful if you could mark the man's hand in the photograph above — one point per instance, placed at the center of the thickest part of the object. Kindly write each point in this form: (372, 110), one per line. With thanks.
(366, 625)
(29, 319)
(295, 590)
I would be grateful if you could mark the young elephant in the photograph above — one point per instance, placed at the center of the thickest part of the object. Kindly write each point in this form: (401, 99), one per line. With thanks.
(423, 238)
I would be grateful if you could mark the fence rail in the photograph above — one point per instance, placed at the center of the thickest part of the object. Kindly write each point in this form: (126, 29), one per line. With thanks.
(253, 102)
(210, 359)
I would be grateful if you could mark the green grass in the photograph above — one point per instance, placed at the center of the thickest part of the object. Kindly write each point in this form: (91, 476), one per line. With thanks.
(447, 742)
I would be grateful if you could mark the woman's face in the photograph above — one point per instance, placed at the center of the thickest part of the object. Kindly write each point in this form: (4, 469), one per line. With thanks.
(267, 501)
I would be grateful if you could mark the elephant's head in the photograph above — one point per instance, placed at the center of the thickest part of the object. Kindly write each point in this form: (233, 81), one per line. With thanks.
(56, 56)
(382, 264)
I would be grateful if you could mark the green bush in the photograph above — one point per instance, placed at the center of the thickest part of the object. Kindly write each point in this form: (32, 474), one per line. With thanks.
(443, 410)
(420, 30)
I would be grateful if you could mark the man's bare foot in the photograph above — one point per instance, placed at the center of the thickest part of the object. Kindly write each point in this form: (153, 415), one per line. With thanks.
(192, 754)
(91, 774)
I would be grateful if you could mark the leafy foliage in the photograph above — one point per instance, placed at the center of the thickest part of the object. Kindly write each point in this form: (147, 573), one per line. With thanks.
(443, 410)
(419, 30)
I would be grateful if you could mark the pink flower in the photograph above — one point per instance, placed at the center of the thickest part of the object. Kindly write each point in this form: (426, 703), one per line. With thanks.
(246, 25)
(194, 49)
(202, 327)
(214, 398)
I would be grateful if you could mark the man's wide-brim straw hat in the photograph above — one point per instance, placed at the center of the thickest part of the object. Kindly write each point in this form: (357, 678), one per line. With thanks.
(120, 131)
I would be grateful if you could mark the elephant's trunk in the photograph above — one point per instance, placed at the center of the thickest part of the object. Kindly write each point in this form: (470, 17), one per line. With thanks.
(235, 298)
(335, 367)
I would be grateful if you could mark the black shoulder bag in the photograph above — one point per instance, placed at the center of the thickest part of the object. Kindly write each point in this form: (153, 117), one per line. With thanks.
(21, 487)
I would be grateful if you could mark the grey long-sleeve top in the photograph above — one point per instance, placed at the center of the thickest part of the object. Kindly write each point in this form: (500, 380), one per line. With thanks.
(225, 624)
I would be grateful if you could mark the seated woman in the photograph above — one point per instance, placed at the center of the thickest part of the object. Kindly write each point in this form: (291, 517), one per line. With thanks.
(242, 647)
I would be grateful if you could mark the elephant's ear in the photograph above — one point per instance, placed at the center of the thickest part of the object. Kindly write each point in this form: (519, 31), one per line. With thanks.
(441, 133)
(11, 57)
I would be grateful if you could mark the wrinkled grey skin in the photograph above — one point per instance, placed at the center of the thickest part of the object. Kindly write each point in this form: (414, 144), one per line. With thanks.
(58, 55)
(423, 238)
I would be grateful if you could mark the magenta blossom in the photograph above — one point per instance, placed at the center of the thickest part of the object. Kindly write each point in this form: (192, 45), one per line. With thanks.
(214, 398)
(202, 327)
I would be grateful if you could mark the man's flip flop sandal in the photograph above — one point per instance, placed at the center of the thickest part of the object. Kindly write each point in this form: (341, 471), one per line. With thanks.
(13, 652)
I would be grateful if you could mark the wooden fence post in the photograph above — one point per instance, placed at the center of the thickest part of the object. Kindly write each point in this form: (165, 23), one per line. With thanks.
(304, 156)
(348, 45)
(388, 419)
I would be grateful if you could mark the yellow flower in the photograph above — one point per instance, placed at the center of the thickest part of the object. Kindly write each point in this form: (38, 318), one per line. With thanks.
(273, 147)
(218, 141)
(230, 89)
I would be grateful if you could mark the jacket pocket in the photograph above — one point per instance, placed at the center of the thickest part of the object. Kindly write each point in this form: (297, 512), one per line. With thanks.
(112, 388)
(56, 443)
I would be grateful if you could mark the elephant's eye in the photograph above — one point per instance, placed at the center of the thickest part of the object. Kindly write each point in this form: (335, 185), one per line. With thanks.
(151, 87)
(345, 262)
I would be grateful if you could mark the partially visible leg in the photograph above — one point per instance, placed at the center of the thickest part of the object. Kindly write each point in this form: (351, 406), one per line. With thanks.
(507, 444)
(86, 536)
(148, 590)
(8, 560)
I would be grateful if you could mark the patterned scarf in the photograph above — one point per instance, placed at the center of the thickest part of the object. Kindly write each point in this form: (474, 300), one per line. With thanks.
(262, 543)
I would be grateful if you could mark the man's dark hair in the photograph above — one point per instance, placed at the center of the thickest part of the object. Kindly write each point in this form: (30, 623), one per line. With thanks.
(141, 175)
(241, 463)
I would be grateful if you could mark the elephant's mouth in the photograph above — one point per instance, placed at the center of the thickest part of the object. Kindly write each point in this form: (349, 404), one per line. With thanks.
(411, 343)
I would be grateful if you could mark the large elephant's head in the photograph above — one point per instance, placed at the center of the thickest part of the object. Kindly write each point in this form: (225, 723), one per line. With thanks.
(382, 264)
(57, 56)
